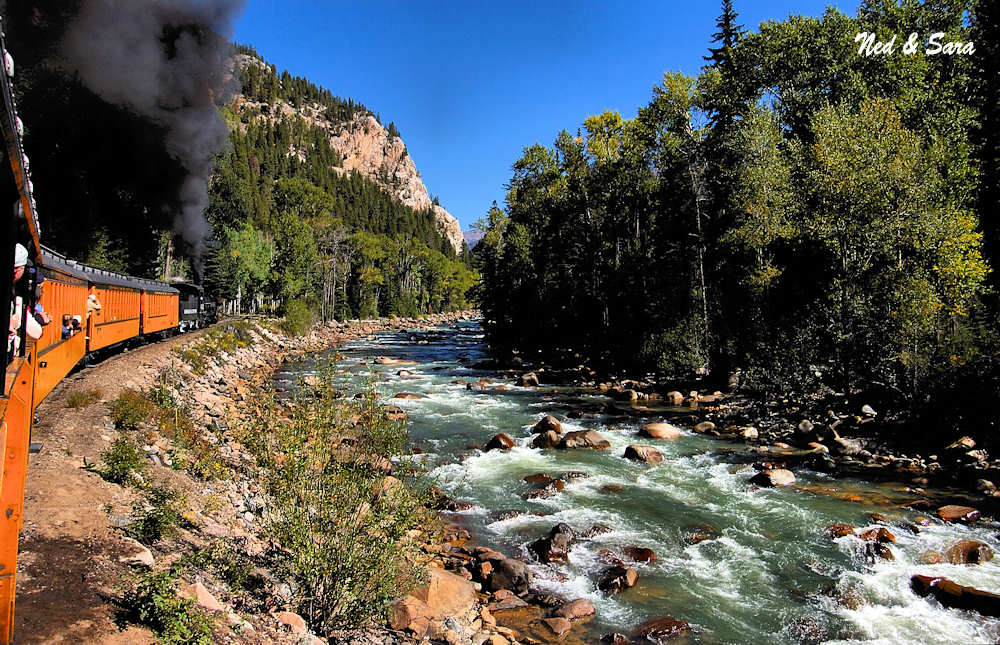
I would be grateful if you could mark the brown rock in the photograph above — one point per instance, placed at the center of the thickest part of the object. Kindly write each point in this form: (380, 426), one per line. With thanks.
(584, 439)
(931, 557)
(549, 439)
(539, 478)
(955, 513)
(617, 579)
(446, 594)
(547, 423)
(838, 529)
(406, 395)
(499, 441)
(575, 609)
(639, 554)
(674, 398)
(295, 623)
(659, 431)
(559, 626)
(968, 552)
(700, 533)
(879, 534)
(410, 613)
(202, 597)
(773, 477)
(956, 596)
(612, 488)
(597, 529)
(704, 427)
(646, 454)
(661, 630)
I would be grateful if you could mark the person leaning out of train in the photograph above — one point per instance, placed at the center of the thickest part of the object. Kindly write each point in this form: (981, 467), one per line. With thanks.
(43, 317)
(93, 304)
(31, 327)
(67, 326)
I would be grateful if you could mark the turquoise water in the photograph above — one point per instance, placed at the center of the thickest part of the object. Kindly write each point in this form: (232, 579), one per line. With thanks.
(767, 574)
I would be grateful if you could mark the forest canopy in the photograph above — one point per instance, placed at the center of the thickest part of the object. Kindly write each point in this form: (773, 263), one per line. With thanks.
(798, 216)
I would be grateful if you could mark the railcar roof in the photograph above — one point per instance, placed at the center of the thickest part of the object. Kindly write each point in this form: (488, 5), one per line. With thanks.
(102, 276)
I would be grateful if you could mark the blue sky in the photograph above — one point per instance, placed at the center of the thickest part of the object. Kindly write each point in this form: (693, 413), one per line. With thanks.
(470, 84)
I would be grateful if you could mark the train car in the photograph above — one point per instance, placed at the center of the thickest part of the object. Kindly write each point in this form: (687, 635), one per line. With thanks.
(64, 291)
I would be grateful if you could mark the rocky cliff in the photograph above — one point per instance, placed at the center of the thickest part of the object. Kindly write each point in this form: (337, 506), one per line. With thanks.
(366, 147)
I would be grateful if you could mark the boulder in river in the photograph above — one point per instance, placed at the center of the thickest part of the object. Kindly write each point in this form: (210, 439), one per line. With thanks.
(508, 573)
(575, 609)
(406, 395)
(646, 454)
(773, 477)
(617, 578)
(956, 513)
(968, 552)
(837, 530)
(548, 439)
(705, 427)
(700, 533)
(529, 380)
(956, 596)
(661, 630)
(877, 534)
(639, 554)
(587, 439)
(659, 431)
(675, 399)
(499, 441)
(547, 423)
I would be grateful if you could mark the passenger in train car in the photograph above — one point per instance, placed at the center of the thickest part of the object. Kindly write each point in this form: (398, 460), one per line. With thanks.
(77, 323)
(67, 326)
(31, 327)
(42, 316)
(93, 304)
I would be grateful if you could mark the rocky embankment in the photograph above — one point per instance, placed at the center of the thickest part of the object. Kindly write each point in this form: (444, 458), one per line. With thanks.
(214, 384)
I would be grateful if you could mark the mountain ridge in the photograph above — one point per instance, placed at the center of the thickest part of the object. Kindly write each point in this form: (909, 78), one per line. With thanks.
(364, 145)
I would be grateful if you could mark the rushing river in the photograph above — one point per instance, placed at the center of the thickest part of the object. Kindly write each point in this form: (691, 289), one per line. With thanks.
(766, 575)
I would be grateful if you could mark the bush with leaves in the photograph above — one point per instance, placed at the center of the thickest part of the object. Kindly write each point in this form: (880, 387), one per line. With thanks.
(340, 521)
(154, 602)
(156, 514)
(124, 462)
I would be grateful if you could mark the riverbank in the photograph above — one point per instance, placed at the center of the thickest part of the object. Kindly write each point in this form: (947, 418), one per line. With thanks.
(142, 516)
(838, 435)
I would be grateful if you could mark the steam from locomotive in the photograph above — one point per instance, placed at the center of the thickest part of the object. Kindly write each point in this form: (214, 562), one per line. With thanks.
(166, 60)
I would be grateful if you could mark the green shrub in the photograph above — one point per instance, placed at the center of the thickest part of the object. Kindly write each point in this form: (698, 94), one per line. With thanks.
(130, 409)
(124, 462)
(81, 399)
(157, 514)
(154, 602)
(343, 542)
(299, 318)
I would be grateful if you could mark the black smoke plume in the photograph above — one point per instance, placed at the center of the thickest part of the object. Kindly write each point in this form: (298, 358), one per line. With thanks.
(166, 60)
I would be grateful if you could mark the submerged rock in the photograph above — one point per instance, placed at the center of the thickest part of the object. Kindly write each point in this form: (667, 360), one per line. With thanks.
(639, 554)
(662, 630)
